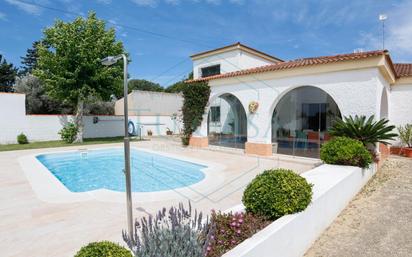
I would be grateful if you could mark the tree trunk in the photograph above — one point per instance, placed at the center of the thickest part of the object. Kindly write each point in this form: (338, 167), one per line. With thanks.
(79, 121)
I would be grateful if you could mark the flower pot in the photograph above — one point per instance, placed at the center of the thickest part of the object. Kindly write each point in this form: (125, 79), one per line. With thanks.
(396, 150)
(407, 152)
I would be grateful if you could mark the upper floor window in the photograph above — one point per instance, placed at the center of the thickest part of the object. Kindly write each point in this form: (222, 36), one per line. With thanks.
(210, 71)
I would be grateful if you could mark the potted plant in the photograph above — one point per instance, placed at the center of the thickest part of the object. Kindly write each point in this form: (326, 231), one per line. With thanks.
(149, 132)
(405, 135)
(169, 132)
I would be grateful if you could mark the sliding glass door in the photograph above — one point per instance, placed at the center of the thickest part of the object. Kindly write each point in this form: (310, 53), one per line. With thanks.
(227, 122)
(300, 121)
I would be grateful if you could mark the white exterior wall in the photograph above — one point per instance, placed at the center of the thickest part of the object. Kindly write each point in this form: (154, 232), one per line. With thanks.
(47, 127)
(292, 235)
(229, 61)
(13, 121)
(157, 124)
(148, 103)
(248, 60)
(400, 106)
(355, 92)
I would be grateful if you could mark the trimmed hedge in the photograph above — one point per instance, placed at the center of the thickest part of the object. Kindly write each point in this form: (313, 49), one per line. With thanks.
(345, 151)
(22, 139)
(103, 249)
(275, 193)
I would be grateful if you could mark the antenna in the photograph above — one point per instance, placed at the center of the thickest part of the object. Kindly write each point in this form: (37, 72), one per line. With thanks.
(382, 18)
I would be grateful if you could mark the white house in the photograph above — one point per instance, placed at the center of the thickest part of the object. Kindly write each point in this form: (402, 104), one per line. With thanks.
(298, 99)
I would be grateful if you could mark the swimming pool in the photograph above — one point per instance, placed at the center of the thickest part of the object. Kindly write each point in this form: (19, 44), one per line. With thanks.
(82, 171)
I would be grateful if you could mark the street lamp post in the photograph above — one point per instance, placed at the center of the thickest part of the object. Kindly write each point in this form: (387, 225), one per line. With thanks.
(110, 60)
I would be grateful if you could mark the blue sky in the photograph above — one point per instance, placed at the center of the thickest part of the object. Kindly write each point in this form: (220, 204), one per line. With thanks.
(286, 29)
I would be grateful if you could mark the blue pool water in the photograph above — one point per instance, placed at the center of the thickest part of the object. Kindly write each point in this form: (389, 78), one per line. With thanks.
(95, 169)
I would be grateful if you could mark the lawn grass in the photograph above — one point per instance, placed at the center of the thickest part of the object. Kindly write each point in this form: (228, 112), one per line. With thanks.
(49, 144)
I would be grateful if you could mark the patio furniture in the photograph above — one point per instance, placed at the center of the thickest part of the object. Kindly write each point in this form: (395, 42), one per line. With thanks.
(301, 140)
(313, 139)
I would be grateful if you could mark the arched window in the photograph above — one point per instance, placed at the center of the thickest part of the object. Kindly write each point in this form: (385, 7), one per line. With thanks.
(300, 121)
(227, 122)
(384, 105)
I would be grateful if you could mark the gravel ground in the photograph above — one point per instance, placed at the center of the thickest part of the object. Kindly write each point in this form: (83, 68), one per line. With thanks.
(378, 222)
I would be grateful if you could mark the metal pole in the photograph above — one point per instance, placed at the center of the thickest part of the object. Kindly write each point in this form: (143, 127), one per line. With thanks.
(383, 35)
(127, 152)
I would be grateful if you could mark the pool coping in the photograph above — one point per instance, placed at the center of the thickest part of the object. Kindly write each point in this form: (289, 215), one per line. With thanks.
(50, 189)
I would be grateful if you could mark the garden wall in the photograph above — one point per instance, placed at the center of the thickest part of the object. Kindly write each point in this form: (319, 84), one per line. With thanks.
(13, 121)
(292, 235)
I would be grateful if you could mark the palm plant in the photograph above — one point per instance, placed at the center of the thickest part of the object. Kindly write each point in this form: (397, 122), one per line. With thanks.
(368, 131)
(405, 134)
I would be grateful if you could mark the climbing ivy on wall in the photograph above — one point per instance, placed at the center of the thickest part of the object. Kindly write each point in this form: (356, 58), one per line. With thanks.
(196, 95)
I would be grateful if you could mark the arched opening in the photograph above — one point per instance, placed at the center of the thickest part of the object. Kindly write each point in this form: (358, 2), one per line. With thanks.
(227, 122)
(384, 105)
(300, 121)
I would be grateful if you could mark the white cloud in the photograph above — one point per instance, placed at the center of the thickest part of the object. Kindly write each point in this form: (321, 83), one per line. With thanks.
(155, 3)
(29, 8)
(240, 2)
(398, 32)
(173, 2)
(3, 16)
(215, 2)
(318, 15)
(104, 1)
(115, 25)
(146, 3)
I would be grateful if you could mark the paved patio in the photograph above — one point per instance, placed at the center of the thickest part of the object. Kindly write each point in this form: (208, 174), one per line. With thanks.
(31, 227)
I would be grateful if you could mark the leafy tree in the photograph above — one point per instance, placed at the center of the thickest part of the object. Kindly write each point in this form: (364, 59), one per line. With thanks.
(179, 86)
(7, 75)
(29, 61)
(69, 63)
(37, 101)
(145, 85)
(95, 106)
(176, 87)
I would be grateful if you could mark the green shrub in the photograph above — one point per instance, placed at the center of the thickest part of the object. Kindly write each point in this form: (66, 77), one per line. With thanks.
(368, 131)
(22, 139)
(275, 193)
(69, 132)
(103, 249)
(345, 151)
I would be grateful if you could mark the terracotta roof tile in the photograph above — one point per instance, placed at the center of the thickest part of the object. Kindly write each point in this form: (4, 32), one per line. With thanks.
(297, 63)
(403, 69)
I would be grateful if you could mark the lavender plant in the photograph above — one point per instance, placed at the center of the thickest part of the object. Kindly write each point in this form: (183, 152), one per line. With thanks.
(175, 233)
